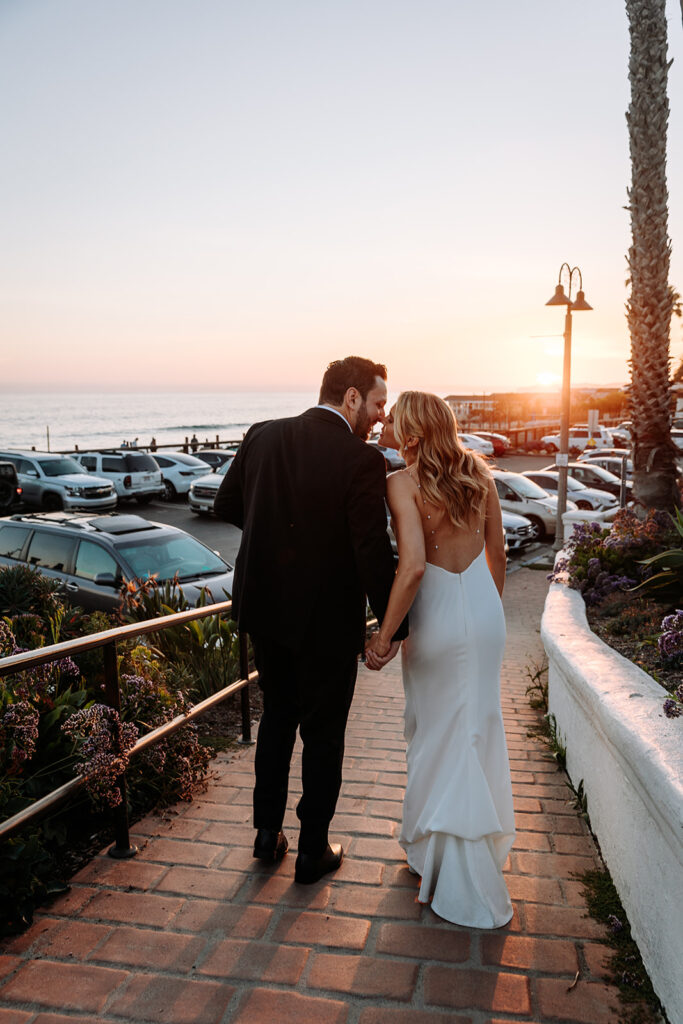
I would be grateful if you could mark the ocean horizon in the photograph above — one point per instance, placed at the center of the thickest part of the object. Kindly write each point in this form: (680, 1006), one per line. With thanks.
(62, 421)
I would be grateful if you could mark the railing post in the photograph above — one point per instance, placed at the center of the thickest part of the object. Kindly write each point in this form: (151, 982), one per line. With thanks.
(122, 848)
(244, 692)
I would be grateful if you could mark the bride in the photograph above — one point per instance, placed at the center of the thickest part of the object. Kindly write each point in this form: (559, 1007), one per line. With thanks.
(458, 823)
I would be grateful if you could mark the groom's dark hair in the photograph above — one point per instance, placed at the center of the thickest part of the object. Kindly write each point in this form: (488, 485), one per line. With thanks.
(352, 372)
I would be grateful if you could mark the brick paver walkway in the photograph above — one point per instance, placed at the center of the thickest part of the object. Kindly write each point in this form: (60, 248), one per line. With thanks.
(194, 931)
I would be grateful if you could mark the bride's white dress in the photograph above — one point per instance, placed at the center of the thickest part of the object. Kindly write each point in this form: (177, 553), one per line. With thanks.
(458, 822)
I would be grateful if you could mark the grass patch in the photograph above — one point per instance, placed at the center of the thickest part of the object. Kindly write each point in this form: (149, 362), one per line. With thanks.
(218, 742)
(640, 1004)
(625, 967)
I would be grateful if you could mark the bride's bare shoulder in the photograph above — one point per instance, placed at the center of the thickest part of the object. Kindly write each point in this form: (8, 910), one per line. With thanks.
(401, 486)
(400, 480)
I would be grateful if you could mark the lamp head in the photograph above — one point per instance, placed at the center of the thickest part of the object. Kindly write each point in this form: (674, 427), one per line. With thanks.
(579, 302)
(559, 298)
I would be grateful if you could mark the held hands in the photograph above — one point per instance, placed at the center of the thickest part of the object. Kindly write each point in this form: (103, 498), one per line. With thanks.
(379, 652)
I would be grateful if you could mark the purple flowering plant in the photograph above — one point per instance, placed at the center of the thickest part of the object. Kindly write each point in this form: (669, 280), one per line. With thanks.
(173, 767)
(54, 726)
(610, 567)
(600, 561)
(670, 645)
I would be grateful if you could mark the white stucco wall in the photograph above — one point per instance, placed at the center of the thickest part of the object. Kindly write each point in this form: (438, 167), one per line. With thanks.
(630, 758)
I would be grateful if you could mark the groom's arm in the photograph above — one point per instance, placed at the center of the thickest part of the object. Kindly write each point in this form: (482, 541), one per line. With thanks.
(367, 519)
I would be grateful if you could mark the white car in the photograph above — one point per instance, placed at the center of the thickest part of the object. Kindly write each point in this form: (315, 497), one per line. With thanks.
(476, 444)
(133, 474)
(584, 497)
(580, 438)
(613, 464)
(603, 453)
(621, 436)
(53, 482)
(203, 491)
(178, 471)
(214, 457)
(518, 530)
(519, 494)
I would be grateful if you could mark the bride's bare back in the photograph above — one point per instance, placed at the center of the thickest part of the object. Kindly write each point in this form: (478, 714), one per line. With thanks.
(438, 541)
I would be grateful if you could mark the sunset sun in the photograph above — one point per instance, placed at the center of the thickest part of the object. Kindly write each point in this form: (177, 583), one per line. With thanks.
(547, 380)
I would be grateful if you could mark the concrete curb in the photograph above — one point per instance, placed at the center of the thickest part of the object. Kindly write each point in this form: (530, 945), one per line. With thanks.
(629, 757)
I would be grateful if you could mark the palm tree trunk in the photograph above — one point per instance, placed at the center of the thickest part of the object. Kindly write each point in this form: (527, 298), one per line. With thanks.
(651, 301)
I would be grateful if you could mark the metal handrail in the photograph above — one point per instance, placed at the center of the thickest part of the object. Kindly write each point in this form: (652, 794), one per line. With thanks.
(28, 659)
(107, 640)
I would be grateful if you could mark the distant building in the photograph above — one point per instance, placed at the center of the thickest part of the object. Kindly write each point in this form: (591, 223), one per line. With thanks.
(467, 407)
(504, 409)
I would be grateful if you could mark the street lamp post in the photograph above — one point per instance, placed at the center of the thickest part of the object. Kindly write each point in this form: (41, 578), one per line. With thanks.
(562, 459)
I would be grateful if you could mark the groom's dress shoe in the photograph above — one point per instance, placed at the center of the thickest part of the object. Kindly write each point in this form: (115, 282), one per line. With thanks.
(310, 869)
(270, 845)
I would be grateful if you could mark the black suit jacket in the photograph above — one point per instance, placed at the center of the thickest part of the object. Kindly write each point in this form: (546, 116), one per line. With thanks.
(309, 497)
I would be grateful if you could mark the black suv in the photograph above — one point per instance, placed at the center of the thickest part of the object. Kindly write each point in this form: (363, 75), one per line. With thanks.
(93, 555)
(10, 491)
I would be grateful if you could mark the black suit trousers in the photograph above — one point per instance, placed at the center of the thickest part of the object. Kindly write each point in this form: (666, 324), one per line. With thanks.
(311, 691)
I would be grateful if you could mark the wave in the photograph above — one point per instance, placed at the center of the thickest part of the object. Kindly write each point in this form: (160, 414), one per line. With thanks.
(206, 426)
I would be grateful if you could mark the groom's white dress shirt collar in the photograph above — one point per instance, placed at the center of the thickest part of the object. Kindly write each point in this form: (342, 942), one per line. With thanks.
(337, 413)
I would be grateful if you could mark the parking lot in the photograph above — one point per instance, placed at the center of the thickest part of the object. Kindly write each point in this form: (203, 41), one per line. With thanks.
(225, 539)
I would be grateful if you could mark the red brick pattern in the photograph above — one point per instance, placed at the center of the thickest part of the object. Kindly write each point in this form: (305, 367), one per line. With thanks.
(195, 931)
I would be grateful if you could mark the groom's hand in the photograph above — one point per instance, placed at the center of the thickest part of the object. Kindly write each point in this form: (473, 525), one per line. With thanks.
(375, 660)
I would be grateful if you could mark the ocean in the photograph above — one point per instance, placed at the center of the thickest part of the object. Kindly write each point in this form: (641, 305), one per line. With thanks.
(90, 420)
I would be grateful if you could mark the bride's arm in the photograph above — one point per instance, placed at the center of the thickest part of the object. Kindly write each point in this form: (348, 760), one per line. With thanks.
(407, 527)
(494, 537)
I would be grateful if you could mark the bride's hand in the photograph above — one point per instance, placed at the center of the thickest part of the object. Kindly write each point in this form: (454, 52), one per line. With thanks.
(375, 651)
(379, 652)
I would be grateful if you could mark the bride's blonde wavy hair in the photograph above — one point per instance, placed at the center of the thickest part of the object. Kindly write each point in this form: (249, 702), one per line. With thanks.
(450, 477)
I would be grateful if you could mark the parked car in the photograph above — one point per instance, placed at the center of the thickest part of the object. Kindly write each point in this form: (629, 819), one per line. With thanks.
(613, 464)
(392, 459)
(10, 491)
(500, 442)
(594, 476)
(519, 494)
(92, 556)
(178, 470)
(519, 531)
(133, 474)
(677, 438)
(583, 496)
(214, 457)
(580, 438)
(476, 444)
(621, 438)
(52, 482)
(604, 453)
(204, 489)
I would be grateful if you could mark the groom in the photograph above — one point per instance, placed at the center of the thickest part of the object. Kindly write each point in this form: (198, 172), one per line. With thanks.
(308, 494)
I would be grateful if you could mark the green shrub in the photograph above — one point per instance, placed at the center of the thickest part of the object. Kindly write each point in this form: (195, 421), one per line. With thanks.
(204, 652)
(53, 726)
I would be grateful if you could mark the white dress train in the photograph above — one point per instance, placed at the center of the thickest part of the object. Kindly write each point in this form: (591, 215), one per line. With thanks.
(458, 821)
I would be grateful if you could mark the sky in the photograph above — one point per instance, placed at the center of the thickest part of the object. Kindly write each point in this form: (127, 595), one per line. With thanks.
(220, 195)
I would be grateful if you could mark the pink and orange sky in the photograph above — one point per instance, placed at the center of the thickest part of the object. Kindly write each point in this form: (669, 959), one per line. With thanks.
(222, 195)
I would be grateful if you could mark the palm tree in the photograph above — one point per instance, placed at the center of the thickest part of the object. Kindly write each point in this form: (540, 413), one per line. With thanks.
(651, 302)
